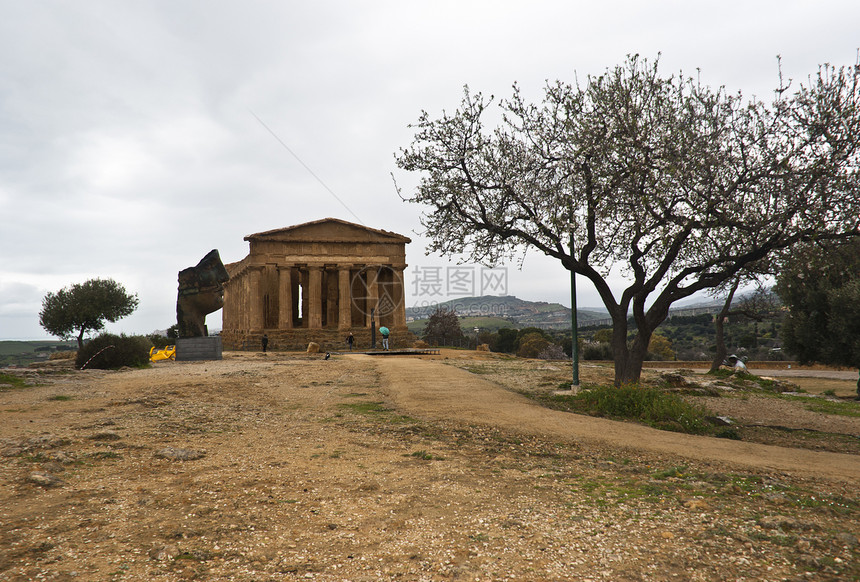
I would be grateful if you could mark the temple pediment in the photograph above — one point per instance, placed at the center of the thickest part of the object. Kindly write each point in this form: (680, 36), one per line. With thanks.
(331, 230)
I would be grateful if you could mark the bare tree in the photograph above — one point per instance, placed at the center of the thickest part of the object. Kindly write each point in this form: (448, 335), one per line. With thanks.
(443, 327)
(762, 303)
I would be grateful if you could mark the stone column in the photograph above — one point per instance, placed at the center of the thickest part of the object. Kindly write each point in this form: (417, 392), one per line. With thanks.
(255, 298)
(331, 296)
(246, 300)
(270, 295)
(399, 298)
(285, 304)
(315, 297)
(372, 274)
(227, 321)
(303, 307)
(344, 319)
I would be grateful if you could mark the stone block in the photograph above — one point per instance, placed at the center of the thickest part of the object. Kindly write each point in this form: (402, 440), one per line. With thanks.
(189, 349)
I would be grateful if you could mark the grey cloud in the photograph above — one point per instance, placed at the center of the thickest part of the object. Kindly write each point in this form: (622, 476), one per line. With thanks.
(129, 146)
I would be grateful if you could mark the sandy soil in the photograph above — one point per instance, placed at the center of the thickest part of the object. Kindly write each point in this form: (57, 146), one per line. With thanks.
(431, 392)
(290, 467)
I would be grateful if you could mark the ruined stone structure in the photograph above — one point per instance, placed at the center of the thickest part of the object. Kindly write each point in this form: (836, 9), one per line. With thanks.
(317, 282)
(201, 292)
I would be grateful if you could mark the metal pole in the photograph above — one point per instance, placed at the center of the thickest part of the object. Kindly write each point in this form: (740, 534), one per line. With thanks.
(574, 347)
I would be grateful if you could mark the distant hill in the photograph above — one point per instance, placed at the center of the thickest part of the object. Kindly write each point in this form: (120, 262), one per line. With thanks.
(22, 353)
(689, 327)
(493, 312)
(518, 312)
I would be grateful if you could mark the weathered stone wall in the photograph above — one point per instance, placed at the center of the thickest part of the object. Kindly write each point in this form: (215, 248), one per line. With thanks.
(330, 340)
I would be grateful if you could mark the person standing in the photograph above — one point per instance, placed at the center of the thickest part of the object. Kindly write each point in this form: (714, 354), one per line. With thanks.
(265, 342)
(350, 340)
(384, 331)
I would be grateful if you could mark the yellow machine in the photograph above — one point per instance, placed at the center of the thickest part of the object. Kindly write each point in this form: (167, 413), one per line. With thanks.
(168, 353)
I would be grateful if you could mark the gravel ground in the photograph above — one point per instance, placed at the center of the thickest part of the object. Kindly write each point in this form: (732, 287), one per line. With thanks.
(287, 467)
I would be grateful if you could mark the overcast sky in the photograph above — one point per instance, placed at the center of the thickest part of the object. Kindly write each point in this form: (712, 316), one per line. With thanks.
(137, 136)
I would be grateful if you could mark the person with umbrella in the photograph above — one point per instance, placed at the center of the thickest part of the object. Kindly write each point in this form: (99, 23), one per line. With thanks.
(384, 332)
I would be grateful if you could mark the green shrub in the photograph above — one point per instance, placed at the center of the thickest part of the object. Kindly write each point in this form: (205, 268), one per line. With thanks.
(552, 352)
(651, 406)
(597, 351)
(160, 341)
(111, 352)
(532, 344)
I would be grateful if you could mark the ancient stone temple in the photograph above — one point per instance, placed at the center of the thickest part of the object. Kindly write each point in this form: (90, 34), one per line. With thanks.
(317, 281)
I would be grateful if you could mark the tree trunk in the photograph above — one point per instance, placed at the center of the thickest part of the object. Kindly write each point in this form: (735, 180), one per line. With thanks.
(628, 370)
(858, 388)
(719, 326)
(720, 353)
(628, 360)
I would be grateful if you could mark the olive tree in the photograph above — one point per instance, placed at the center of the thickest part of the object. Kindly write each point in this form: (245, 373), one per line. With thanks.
(674, 185)
(85, 307)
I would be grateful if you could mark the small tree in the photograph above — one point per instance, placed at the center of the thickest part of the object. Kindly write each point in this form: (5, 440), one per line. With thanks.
(443, 327)
(820, 287)
(553, 352)
(85, 307)
(507, 340)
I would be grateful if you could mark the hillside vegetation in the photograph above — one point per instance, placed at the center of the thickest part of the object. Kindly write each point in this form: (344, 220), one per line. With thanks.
(689, 337)
(517, 312)
(23, 353)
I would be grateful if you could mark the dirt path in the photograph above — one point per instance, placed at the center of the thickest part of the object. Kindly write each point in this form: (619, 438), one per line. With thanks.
(431, 390)
(288, 467)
